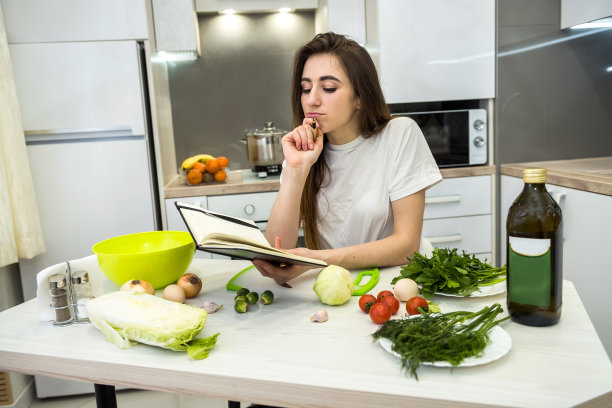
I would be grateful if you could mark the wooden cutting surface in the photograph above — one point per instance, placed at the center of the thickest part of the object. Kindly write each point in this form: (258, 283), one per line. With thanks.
(593, 174)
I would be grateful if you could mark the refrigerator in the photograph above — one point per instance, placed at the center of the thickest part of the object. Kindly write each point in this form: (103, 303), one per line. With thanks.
(86, 115)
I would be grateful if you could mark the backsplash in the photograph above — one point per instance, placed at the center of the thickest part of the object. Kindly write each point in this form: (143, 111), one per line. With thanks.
(241, 81)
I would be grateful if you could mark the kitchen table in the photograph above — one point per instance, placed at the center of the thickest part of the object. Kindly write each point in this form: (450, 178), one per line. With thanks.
(275, 355)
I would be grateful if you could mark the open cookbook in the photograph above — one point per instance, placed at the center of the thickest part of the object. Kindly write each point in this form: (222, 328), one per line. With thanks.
(234, 237)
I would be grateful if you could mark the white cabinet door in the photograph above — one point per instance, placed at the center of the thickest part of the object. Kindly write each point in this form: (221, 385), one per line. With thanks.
(586, 245)
(77, 87)
(252, 206)
(37, 21)
(435, 50)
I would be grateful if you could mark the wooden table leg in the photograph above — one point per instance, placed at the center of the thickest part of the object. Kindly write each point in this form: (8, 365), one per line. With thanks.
(105, 396)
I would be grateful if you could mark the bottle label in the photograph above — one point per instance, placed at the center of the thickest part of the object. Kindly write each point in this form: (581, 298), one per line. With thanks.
(529, 269)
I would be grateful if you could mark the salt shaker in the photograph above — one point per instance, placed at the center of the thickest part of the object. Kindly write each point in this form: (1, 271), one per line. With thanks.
(81, 290)
(60, 300)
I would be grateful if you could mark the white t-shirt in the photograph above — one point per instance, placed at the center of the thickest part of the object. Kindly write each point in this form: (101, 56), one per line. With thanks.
(366, 176)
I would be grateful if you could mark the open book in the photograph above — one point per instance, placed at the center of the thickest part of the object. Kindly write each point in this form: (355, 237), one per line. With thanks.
(235, 237)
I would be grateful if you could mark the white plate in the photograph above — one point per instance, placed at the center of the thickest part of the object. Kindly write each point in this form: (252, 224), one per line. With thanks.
(500, 345)
(488, 290)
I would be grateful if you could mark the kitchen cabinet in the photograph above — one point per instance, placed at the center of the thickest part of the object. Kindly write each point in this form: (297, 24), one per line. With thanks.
(78, 87)
(34, 21)
(343, 17)
(437, 50)
(586, 245)
(574, 12)
(458, 214)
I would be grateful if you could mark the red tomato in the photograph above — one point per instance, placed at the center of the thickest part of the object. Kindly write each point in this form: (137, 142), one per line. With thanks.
(383, 294)
(364, 300)
(380, 313)
(392, 302)
(413, 304)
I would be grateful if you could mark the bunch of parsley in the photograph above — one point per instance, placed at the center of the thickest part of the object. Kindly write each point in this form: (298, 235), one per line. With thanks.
(448, 272)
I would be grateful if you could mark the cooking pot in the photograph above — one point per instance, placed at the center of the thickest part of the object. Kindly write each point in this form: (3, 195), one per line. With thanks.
(264, 148)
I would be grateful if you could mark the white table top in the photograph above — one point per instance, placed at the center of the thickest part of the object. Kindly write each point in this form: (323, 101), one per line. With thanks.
(273, 354)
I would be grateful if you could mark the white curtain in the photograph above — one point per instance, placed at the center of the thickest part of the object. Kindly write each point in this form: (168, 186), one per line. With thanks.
(20, 230)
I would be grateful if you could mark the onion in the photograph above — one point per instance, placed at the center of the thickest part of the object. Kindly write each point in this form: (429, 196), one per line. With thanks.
(191, 284)
(138, 285)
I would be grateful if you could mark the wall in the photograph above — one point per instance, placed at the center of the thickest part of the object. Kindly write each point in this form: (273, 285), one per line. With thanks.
(554, 94)
(241, 81)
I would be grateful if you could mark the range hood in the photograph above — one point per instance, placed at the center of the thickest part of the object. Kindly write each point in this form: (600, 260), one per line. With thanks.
(177, 36)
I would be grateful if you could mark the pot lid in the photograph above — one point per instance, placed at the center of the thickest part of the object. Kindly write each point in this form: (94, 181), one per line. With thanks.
(268, 130)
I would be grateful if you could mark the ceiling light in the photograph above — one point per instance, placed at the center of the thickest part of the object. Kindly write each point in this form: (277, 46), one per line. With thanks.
(177, 55)
(228, 11)
(285, 10)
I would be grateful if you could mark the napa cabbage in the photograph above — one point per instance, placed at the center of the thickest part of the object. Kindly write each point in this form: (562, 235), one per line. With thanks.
(334, 285)
(127, 317)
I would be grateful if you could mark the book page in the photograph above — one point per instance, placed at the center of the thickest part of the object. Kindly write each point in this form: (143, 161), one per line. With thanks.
(204, 224)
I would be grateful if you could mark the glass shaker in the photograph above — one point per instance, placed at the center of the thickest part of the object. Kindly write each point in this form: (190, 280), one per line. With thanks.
(60, 300)
(81, 291)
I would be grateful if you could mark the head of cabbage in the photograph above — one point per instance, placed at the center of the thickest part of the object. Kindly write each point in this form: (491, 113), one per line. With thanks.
(334, 285)
(126, 317)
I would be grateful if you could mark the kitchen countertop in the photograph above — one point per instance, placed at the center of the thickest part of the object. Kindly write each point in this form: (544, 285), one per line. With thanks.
(274, 355)
(245, 181)
(593, 174)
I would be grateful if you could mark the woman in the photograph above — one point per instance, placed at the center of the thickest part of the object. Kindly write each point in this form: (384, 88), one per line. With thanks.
(358, 188)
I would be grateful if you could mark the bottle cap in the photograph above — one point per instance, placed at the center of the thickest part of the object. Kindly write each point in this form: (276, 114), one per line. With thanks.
(80, 277)
(534, 175)
(57, 281)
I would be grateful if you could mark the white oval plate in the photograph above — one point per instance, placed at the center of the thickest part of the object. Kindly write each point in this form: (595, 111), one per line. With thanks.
(488, 290)
(500, 345)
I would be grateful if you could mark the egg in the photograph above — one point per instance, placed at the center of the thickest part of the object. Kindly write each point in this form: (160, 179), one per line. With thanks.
(174, 293)
(405, 289)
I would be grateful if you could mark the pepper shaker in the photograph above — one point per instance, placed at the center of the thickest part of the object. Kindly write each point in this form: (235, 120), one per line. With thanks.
(82, 294)
(60, 300)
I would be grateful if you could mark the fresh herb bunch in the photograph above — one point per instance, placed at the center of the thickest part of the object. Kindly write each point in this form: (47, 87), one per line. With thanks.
(448, 272)
(450, 337)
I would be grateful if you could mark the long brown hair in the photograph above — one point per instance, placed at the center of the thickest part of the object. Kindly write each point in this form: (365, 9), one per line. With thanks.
(373, 113)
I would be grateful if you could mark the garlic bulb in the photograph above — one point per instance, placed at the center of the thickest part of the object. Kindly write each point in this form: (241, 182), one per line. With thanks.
(211, 307)
(319, 317)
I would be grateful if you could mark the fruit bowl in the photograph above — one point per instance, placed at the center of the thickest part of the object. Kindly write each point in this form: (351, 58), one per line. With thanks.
(159, 257)
(204, 169)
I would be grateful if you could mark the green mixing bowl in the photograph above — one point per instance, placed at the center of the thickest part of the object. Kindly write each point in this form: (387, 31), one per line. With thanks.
(158, 257)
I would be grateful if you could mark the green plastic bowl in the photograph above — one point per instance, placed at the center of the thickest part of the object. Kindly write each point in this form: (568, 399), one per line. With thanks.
(158, 257)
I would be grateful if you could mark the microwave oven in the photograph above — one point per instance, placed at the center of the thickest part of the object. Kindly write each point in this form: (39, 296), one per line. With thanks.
(455, 137)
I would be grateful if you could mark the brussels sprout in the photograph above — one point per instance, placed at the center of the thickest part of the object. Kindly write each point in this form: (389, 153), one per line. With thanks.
(240, 298)
(241, 306)
(267, 297)
(242, 292)
(252, 297)
(334, 285)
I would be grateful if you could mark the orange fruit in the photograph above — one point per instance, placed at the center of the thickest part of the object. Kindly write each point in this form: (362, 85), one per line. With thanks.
(220, 175)
(194, 176)
(212, 166)
(199, 166)
(223, 162)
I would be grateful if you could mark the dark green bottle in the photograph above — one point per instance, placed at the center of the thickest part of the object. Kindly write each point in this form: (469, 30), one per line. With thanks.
(534, 254)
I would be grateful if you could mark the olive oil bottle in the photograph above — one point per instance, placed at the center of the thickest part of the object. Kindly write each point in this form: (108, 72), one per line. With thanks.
(534, 254)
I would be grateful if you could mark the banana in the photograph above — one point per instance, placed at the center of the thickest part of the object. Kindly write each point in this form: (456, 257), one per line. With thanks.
(190, 161)
(204, 157)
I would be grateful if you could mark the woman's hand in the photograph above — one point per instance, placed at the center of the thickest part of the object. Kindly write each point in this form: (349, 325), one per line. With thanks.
(280, 274)
(300, 147)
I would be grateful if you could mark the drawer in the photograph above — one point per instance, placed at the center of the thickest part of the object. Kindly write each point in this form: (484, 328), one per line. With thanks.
(252, 206)
(459, 197)
(471, 234)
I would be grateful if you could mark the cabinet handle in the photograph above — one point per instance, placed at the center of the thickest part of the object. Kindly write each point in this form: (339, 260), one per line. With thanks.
(443, 199)
(445, 239)
(249, 209)
(77, 134)
(558, 196)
